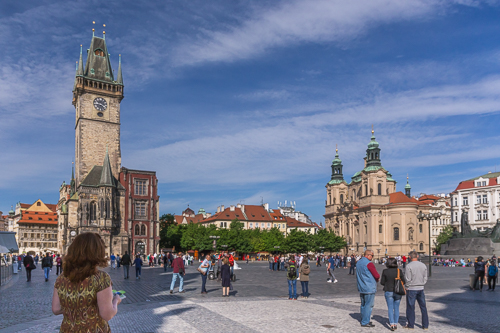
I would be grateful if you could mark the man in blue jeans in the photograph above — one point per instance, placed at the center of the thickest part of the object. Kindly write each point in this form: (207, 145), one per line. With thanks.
(367, 278)
(205, 265)
(416, 278)
(178, 273)
(291, 275)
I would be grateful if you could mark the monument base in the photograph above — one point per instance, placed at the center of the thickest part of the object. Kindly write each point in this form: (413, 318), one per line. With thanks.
(470, 246)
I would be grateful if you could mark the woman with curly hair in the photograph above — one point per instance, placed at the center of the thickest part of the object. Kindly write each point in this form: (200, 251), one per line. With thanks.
(82, 293)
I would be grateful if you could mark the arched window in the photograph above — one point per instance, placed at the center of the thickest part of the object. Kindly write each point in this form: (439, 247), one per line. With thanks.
(420, 228)
(341, 198)
(366, 230)
(421, 246)
(366, 190)
(107, 209)
(379, 189)
(99, 52)
(396, 233)
(137, 229)
(101, 208)
(93, 210)
(143, 230)
(354, 193)
(380, 229)
(376, 155)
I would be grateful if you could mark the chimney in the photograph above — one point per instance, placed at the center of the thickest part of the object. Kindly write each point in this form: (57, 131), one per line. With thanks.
(218, 209)
(222, 208)
(209, 215)
(266, 206)
(231, 208)
(243, 209)
(238, 205)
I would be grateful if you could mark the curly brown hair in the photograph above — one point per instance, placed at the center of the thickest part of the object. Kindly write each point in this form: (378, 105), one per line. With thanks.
(85, 254)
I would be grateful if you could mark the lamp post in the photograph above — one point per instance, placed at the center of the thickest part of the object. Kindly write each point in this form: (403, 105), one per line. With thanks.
(429, 218)
(322, 248)
(215, 238)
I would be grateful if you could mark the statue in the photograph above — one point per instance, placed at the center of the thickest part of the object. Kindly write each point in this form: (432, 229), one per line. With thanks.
(464, 224)
(410, 234)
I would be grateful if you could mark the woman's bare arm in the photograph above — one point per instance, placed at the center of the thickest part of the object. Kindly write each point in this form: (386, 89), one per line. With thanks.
(108, 305)
(56, 304)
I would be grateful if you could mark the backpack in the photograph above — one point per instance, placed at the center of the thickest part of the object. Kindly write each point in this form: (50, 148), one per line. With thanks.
(492, 270)
(292, 272)
(306, 270)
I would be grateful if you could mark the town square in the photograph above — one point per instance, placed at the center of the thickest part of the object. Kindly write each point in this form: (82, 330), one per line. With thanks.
(249, 166)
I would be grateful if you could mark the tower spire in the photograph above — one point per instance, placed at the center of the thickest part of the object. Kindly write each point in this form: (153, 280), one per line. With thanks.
(337, 176)
(119, 79)
(72, 189)
(80, 63)
(408, 187)
(106, 174)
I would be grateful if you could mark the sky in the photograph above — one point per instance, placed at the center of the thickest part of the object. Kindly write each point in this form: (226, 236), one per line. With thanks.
(238, 101)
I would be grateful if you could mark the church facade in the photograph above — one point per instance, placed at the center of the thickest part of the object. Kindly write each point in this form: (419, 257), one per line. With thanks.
(370, 214)
(102, 196)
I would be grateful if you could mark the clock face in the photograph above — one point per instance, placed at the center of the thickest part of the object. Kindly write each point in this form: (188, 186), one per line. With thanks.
(100, 104)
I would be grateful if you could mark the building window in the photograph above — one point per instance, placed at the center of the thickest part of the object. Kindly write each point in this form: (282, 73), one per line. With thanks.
(107, 209)
(140, 187)
(93, 211)
(485, 198)
(380, 229)
(379, 189)
(140, 209)
(341, 198)
(366, 190)
(251, 225)
(143, 230)
(485, 214)
(38, 203)
(421, 246)
(456, 201)
(99, 52)
(136, 231)
(465, 201)
(396, 233)
(354, 194)
(478, 215)
(222, 224)
(478, 199)
(420, 228)
(366, 230)
(269, 225)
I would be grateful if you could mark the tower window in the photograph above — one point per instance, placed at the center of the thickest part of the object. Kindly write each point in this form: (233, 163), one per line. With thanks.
(366, 230)
(421, 246)
(341, 198)
(380, 229)
(99, 52)
(143, 230)
(140, 187)
(93, 210)
(137, 229)
(366, 190)
(420, 228)
(379, 189)
(140, 209)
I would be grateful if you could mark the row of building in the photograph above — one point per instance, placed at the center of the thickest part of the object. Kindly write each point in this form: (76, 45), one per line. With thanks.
(370, 213)
(252, 217)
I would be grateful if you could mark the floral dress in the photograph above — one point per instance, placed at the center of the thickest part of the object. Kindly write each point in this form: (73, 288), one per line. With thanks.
(79, 303)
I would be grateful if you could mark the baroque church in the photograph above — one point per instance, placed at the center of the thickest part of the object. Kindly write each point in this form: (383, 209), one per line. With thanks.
(120, 204)
(370, 214)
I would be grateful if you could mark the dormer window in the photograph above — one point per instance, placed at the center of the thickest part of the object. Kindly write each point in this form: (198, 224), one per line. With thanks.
(99, 52)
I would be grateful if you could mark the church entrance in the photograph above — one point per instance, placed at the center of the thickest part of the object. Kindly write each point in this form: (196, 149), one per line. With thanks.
(140, 247)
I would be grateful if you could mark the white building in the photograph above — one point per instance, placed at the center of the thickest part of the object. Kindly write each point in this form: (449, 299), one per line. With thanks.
(479, 198)
(290, 211)
(439, 204)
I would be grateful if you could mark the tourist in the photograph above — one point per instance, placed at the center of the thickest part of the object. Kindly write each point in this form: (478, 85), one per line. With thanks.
(271, 262)
(29, 265)
(138, 266)
(388, 280)
(403, 260)
(118, 260)
(165, 261)
(248, 258)
(178, 273)
(282, 262)
(231, 264)
(126, 261)
(91, 312)
(492, 275)
(416, 278)
(36, 259)
(291, 276)
(318, 261)
(225, 272)
(479, 269)
(47, 264)
(204, 266)
(330, 268)
(150, 260)
(367, 278)
(113, 261)
(58, 264)
(344, 261)
(352, 264)
(304, 271)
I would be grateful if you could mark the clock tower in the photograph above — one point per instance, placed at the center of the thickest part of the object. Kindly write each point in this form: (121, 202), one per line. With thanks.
(96, 97)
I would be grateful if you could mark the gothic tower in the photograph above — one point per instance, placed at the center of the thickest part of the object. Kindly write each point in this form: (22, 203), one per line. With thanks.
(96, 97)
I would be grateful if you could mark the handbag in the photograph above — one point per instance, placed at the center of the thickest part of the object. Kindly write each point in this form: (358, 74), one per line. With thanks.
(201, 269)
(399, 286)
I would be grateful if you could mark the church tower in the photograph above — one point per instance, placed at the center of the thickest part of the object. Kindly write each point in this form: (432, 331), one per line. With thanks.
(96, 97)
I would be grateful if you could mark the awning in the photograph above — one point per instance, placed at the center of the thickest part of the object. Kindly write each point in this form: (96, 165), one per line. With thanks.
(8, 242)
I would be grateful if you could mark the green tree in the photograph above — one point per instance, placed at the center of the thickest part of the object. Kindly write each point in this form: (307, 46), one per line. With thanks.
(167, 222)
(444, 236)
(326, 240)
(297, 242)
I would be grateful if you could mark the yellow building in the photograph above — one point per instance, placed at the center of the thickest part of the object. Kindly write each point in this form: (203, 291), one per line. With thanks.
(369, 212)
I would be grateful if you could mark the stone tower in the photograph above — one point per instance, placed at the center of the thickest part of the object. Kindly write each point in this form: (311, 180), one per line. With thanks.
(96, 97)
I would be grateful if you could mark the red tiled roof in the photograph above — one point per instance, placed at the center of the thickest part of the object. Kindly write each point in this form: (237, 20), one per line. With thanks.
(52, 207)
(41, 217)
(401, 198)
(196, 219)
(258, 213)
(227, 215)
(293, 223)
(428, 197)
(23, 205)
(178, 219)
(276, 215)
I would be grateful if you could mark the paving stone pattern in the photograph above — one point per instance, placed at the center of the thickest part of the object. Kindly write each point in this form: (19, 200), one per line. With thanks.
(259, 303)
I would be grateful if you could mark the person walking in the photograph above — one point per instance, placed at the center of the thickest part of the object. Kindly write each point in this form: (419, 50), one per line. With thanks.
(113, 261)
(304, 272)
(271, 262)
(225, 272)
(403, 260)
(416, 278)
(165, 261)
(367, 278)
(126, 261)
(29, 265)
(138, 266)
(479, 270)
(203, 271)
(118, 261)
(82, 293)
(291, 275)
(352, 265)
(330, 268)
(58, 264)
(36, 259)
(492, 275)
(47, 264)
(248, 258)
(178, 273)
(388, 280)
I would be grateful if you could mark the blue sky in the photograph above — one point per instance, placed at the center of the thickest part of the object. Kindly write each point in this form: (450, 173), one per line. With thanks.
(242, 101)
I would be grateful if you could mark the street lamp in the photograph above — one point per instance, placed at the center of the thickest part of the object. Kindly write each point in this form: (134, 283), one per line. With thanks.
(215, 238)
(429, 217)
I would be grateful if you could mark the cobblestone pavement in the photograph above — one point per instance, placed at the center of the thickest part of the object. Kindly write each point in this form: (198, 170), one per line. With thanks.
(259, 303)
